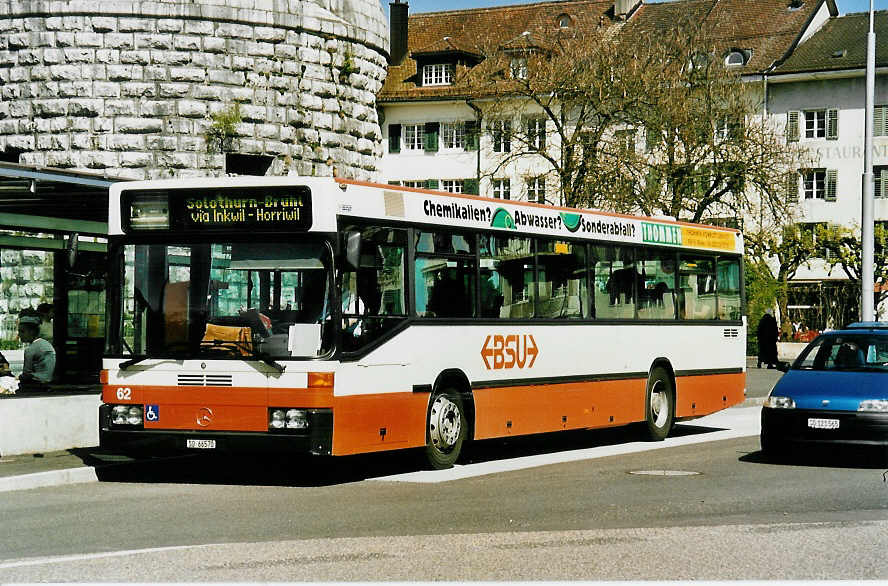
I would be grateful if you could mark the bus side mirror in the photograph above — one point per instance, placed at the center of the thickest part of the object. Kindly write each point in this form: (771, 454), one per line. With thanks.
(352, 250)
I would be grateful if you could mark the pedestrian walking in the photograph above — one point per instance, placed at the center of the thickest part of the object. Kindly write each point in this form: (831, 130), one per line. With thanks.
(767, 333)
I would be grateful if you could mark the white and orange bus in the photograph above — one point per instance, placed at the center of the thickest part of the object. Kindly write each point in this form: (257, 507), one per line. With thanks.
(332, 317)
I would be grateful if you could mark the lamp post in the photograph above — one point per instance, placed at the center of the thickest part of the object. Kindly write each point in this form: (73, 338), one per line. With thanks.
(866, 223)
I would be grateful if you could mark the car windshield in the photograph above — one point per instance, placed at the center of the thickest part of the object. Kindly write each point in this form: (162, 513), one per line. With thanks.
(863, 351)
(227, 299)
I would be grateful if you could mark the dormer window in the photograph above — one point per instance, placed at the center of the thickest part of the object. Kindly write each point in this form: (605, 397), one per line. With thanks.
(518, 68)
(564, 21)
(735, 59)
(437, 74)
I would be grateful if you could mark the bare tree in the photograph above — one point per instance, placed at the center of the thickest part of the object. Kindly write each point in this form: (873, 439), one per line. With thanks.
(842, 247)
(635, 121)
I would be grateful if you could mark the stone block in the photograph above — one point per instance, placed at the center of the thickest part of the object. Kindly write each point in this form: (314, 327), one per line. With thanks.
(125, 72)
(174, 90)
(138, 125)
(177, 160)
(126, 142)
(186, 43)
(159, 108)
(98, 159)
(161, 143)
(120, 108)
(62, 159)
(50, 108)
(135, 24)
(64, 72)
(192, 74)
(139, 90)
(93, 40)
(106, 89)
(214, 45)
(170, 25)
(135, 160)
(103, 24)
(135, 57)
(191, 109)
(89, 108)
(122, 41)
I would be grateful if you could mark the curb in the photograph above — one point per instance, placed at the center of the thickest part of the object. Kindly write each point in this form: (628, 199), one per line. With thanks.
(51, 478)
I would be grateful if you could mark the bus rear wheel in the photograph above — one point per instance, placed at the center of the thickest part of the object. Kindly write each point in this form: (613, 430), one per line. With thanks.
(659, 404)
(446, 428)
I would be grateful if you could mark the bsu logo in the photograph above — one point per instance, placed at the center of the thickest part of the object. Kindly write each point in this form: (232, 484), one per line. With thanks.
(509, 351)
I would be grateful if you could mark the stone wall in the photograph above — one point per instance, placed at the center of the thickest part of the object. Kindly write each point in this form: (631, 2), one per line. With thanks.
(26, 281)
(129, 87)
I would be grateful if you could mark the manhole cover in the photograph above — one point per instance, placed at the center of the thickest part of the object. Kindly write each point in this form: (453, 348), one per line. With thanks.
(664, 473)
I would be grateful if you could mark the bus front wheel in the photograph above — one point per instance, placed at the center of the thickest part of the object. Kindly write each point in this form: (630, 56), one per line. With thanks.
(659, 404)
(446, 428)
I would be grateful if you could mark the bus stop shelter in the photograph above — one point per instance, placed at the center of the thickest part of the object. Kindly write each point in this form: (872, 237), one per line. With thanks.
(53, 229)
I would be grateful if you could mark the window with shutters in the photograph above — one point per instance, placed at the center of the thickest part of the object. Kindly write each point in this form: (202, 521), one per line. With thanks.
(453, 135)
(536, 134)
(880, 177)
(820, 184)
(500, 132)
(518, 68)
(815, 183)
(880, 121)
(502, 189)
(791, 186)
(625, 139)
(815, 124)
(536, 189)
(414, 137)
(818, 124)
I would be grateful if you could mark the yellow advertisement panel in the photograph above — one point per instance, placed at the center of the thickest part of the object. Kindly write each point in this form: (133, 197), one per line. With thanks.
(703, 238)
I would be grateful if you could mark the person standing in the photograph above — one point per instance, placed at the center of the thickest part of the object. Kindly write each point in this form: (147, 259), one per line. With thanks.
(767, 333)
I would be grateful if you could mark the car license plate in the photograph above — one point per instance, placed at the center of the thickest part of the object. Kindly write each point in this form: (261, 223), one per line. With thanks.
(200, 444)
(816, 423)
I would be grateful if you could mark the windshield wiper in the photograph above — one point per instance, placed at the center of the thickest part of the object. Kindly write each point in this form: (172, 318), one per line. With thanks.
(232, 345)
(132, 362)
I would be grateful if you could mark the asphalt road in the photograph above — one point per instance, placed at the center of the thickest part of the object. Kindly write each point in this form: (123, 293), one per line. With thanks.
(600, 505)
(711, 510)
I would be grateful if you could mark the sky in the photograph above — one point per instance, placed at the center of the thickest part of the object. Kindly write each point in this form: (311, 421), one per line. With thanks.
(845, 6)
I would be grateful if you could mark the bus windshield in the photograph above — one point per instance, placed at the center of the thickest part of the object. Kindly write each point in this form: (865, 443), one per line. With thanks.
(227, 299)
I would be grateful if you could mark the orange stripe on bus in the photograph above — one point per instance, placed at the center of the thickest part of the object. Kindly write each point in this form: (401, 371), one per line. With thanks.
(543, 408)
(372, 423)
(704, 394)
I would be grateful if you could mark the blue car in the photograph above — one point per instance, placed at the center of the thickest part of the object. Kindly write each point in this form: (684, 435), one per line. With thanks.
(836, 392)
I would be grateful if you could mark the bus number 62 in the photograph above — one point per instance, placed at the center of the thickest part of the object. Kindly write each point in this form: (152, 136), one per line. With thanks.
(124, 394)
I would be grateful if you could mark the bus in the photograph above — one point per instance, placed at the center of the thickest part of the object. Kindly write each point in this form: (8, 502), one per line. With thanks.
(332, 317)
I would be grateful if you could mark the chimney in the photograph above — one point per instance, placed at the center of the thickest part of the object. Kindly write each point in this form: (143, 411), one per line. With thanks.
(398, 31)
(623, 8)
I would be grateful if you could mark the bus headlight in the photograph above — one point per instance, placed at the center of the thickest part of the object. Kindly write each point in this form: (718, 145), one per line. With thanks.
(288, 418)
(126, 415)
(297, 419)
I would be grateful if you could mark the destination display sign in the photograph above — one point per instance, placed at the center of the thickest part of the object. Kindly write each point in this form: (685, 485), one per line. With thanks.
(249, 208)
(222, 209)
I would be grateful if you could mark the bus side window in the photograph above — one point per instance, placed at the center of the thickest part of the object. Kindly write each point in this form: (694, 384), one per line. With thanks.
(444, 274)
(373, 298)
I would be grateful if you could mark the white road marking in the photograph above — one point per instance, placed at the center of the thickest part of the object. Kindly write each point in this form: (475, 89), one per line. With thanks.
(730, 423)
(96, 556)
